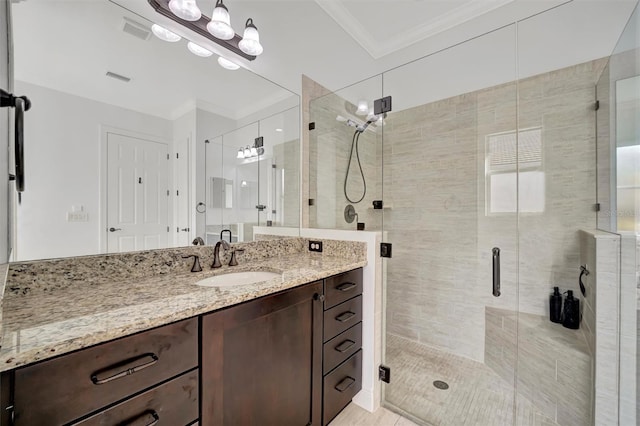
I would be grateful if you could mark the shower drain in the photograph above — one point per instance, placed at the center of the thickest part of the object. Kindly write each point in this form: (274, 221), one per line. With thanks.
(441, 385)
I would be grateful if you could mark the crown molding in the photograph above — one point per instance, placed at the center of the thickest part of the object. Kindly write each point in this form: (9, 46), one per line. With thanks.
(379, 48)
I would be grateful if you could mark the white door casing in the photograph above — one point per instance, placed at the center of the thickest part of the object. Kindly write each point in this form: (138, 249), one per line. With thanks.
(137, 194)
(183, 193)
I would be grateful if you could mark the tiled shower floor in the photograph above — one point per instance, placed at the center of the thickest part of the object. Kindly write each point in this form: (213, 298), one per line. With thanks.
(476, 394)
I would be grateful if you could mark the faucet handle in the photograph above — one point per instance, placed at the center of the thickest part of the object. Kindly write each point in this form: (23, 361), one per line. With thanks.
(234, 261)
(196, 262)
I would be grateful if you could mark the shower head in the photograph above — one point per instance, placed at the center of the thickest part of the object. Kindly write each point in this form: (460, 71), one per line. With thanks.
(360, 127)
(349, 122)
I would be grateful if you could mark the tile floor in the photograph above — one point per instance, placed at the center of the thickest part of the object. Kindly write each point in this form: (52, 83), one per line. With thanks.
(353, 415)
(476, 394)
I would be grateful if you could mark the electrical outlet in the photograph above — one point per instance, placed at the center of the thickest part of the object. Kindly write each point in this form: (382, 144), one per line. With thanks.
(315, 246)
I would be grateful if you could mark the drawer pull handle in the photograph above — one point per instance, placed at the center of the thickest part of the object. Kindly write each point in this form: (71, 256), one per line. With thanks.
(346, 286)
(344, 346)
(345, 384)
(345, 316)
(123, 369)
(148, 418)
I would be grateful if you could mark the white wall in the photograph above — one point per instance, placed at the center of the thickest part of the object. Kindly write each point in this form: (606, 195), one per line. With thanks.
(62, 151)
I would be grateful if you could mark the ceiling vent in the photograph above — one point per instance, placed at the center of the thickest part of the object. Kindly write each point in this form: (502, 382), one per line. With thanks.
(118, 76)
(136, 29)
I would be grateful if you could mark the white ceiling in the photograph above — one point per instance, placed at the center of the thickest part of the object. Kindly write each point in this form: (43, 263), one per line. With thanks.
(335, 42)
(382, 27)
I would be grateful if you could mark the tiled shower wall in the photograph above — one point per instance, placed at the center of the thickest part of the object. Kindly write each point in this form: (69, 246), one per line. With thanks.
(434, 165)
(331, 142)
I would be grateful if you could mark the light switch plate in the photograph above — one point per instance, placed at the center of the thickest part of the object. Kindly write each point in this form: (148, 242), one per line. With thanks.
(77, 216)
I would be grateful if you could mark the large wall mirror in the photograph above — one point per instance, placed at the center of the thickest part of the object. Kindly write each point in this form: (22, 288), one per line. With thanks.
(134, 143)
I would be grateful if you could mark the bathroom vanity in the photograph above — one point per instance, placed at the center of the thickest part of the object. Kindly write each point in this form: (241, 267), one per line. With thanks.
(284, 351)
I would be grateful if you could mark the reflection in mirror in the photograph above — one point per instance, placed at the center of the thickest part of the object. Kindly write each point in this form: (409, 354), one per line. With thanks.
(115, 139)
(627, 152)
(259, 163)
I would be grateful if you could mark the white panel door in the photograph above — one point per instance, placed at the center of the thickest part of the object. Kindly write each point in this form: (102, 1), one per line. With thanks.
(137, 194)
(183, 194)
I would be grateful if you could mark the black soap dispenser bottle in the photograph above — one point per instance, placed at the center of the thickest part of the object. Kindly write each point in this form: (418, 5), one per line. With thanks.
(555, 306)
(571, 312)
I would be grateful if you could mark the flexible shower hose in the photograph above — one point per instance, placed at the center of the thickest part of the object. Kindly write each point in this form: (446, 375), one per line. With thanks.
(354, 141)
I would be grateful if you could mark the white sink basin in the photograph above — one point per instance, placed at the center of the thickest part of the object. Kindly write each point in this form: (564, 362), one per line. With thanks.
(238, 278)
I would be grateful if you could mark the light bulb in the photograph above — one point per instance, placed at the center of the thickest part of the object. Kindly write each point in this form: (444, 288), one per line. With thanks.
(227, 64)
(185, 9)
(240, 153)
(247, 152)
(250, 43)
(164, 34)
(198, 50)
(254, 151)
(220, 25)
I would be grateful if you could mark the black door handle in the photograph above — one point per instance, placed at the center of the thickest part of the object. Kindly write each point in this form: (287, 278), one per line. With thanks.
(496, 271)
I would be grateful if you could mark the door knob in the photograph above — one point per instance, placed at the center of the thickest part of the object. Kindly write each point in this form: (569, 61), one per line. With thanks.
(115, 229)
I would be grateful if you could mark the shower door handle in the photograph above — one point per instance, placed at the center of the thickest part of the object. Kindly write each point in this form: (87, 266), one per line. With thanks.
(496, 272)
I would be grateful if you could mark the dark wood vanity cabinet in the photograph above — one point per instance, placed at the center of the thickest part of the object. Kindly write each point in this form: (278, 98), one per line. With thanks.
(262, 361)
(342, 336)
(64, 390)
(290, 358)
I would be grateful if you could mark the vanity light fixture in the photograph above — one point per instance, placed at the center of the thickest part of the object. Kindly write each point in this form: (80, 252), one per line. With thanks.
(198, 50)
(227, 64)
(216, 29)
(164, 34)
(250, 43)
(240, 154)
(185, 9)
(220, 25)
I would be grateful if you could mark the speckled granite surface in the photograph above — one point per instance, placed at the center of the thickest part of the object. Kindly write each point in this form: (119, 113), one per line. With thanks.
(57, 306)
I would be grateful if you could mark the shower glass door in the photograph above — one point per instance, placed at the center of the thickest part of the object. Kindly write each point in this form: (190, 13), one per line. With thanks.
(450, 187)
(345, 159)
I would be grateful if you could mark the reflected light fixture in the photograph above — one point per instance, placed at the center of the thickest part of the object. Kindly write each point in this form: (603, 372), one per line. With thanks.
(220, 25)
(250, 43)
(185, 9)
(278, 130)
(363, 108)
(216, 29)
(255, 150)
(198, 50)
(164, 34)
(227, 64)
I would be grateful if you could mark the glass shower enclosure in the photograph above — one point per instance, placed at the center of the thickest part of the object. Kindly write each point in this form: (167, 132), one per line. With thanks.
(481, 177)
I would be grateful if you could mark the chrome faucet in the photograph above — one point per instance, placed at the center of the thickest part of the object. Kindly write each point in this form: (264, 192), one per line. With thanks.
(216, 253)
(198, 241)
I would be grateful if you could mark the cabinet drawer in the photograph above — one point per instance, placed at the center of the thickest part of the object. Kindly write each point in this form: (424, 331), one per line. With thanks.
(174, 403)
(342, 287)
(92, 378)
(341, 385)
(342, 347)
(341, 317)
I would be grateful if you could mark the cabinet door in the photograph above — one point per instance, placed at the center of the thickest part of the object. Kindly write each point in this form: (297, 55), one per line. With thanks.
(262, 361)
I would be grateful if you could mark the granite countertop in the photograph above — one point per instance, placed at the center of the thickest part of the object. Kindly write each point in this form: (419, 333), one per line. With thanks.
(43, 324)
